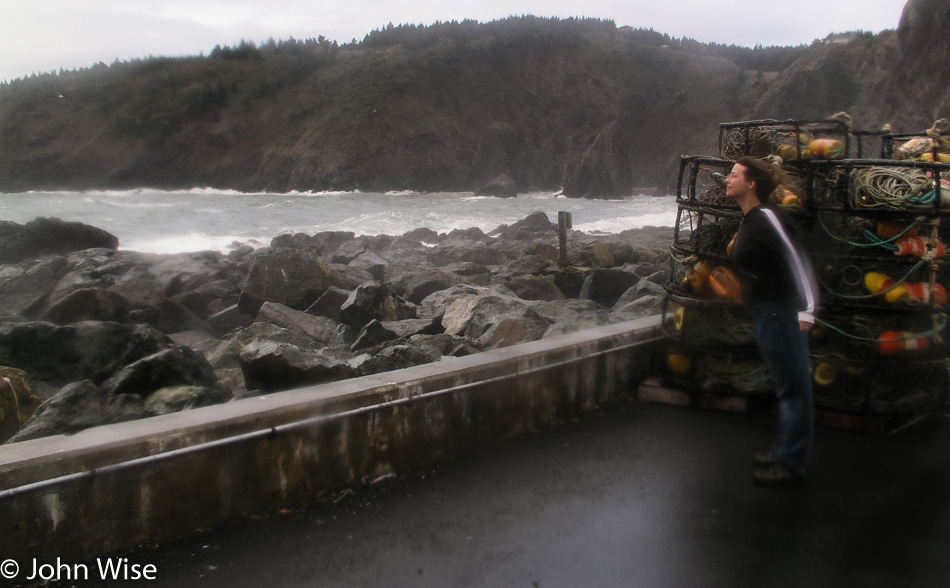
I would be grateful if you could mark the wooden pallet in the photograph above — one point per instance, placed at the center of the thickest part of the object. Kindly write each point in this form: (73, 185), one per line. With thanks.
(652, 390)
(869, 424)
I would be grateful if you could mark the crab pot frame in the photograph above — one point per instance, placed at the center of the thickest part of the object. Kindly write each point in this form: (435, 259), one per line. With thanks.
(893, 144)
(879, 187)
(699, 230)
(880, 388)
(880, 334)
(898, 236)
(892, 283)
(762, 138)
(684, 284)
(717, 370)
(697, 186)
(700, 323)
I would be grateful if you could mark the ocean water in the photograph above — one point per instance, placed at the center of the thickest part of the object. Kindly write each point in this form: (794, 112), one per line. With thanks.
(200, 219)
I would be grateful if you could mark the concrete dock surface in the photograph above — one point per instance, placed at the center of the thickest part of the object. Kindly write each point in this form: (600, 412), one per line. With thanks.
(640, 495)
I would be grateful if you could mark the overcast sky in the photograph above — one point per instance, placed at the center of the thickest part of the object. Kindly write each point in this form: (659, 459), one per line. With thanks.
(44, 35)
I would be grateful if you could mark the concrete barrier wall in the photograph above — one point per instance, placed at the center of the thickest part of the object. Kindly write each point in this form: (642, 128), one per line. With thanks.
(114, 487)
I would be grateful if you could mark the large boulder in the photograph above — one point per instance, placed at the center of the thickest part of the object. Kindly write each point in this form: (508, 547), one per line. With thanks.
(75, 407)
(24, 286)
(88, 304)
(535, 288)
(176, 366)
(501, 186)
(318, 329)
(18, 401)
(272, 366)
(50, 236)
(329, 303)
(92, 350)
(595, 254)
(511, 331)
(398, 357)
(534, 226)
(426, 282)
(126, 273)
(288, 276)
(177, 398)
(474, 315)
(606, 286)
(371, 335)
(374, 300)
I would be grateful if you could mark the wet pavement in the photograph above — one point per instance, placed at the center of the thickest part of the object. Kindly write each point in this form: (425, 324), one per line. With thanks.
(644, 495)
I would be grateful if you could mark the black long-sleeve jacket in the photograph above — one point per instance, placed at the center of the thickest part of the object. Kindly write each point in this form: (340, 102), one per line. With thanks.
(770, 266)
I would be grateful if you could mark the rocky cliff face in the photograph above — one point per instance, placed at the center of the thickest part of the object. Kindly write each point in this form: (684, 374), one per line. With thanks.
(451, 107)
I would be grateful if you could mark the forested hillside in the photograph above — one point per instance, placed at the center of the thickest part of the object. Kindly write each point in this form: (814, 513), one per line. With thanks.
(450, 106)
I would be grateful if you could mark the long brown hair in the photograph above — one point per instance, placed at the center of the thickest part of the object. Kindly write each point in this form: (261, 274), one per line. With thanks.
(766, 176)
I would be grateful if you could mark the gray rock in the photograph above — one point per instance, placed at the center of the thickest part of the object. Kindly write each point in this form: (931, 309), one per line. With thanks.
(606, 286)
(318, 329)
(535, 288)
(24, 286)
(177, 398)
(229, 319)
(273, 366)
(89, 304)
(123, 408)
(426, 282)
(50, 236)
(501, 187)
(372, 263)
(288, 276)
(92, 350)
(374, 300)
(372, 335)
(329, 303)
(511, 331)
(396, 358)
(409, 327)
(433, 306)
(171, 367)
(18, 401)
(75, 407)
(474, 315)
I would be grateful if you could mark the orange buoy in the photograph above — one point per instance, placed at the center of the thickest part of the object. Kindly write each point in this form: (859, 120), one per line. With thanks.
(884, 287)
(787, 152)
(891, 342)
(918, 246)
(725, 284)
(921, 292)
(826, 149)
(679, 363)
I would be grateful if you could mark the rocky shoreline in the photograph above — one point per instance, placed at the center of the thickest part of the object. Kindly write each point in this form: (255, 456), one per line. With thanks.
(90, 334)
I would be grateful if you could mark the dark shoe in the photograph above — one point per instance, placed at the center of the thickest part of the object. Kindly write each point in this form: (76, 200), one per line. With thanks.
(765, 459)
(776, 475)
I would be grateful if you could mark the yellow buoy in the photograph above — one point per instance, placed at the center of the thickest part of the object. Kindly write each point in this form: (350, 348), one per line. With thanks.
(678, 317)
(678, 363)
(825, 373)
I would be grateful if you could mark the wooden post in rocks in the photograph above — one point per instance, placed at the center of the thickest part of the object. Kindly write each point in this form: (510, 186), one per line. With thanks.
(564, 222)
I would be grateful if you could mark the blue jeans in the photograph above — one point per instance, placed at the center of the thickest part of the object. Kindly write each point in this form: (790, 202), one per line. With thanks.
(784, 348)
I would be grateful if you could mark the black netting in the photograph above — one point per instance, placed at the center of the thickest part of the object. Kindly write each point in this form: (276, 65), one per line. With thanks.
(881, 388)
(791, 139)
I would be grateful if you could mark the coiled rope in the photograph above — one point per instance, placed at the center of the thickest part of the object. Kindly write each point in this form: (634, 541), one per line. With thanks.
(879, 187)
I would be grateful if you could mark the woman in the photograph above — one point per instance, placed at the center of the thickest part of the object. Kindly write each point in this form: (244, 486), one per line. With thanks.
(779, 290)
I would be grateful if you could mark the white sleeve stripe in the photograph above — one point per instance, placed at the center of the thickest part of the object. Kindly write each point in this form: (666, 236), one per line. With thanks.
(808, 286)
